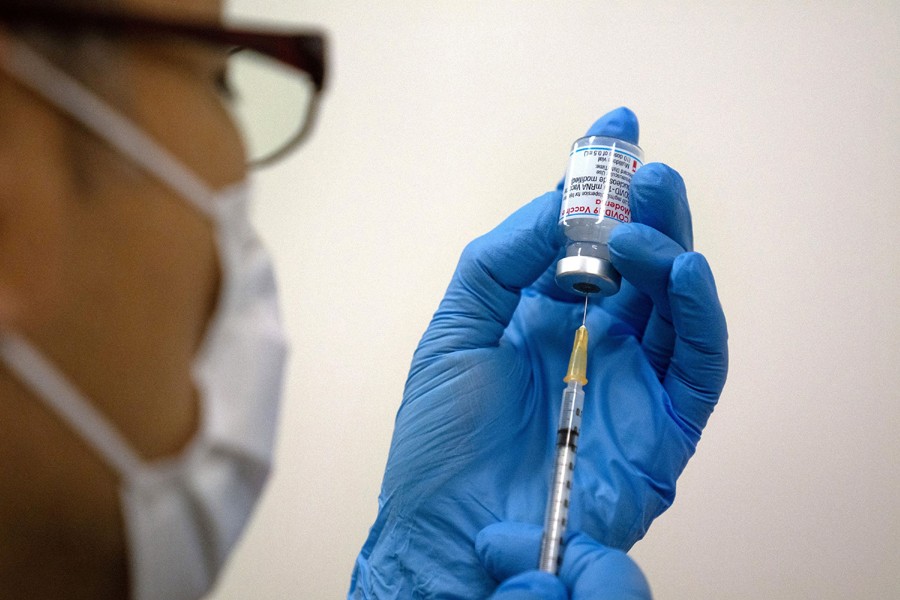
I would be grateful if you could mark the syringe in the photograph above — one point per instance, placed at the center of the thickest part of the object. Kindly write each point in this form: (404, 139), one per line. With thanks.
(566, 446)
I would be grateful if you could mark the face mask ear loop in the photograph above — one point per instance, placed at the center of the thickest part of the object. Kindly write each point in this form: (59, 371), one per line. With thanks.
(60, 394)
(71, 97)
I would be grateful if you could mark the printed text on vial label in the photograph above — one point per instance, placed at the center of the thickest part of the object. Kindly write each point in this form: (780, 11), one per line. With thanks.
(597, 185)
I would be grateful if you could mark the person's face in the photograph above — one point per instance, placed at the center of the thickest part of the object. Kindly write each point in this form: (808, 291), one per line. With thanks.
(176, 97)
(54, 176)
(108, 273)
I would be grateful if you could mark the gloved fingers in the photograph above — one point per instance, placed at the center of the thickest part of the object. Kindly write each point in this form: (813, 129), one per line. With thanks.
(658, 200)
(620, 123)
(687, 318)
(658, 343)
(644, 257)
(493, 269)
(509, 552)
(699, 363)
(593, 571)
(508, 548)
(531, 585)
(590, 570)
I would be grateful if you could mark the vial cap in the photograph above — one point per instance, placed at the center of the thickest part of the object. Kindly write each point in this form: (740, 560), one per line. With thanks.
(586, 275)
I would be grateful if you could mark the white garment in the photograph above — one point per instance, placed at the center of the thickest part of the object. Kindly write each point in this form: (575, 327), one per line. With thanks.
(183, 515)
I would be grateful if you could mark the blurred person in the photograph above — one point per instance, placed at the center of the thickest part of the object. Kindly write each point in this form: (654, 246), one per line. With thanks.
(142, 350)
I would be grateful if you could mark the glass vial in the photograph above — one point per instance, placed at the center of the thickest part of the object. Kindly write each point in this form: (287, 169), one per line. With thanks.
(594, 202)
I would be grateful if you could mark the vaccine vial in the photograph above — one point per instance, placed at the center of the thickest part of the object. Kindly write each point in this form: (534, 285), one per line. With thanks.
(594, 202)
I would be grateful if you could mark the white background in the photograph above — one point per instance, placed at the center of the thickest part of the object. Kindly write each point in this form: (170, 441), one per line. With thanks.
(442, 118)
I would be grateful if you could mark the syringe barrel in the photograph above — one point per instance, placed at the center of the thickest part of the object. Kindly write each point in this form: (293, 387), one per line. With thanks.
(556, 517)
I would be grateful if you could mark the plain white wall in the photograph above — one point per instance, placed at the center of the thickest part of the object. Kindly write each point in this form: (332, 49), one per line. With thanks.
(442, 118)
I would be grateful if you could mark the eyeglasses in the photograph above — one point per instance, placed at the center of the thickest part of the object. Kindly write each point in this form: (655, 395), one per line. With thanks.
(274, 79)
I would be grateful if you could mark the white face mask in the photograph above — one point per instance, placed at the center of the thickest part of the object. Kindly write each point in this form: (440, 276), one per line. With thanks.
(182, 515)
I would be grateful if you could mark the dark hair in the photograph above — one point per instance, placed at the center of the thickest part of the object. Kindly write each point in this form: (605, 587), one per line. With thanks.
(78, 52)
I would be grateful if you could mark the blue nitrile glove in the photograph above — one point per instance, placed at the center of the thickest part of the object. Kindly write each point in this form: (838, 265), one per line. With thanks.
(590, 570)
(475, 434)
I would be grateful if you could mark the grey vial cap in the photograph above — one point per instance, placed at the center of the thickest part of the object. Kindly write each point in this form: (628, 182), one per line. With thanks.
(587, 275)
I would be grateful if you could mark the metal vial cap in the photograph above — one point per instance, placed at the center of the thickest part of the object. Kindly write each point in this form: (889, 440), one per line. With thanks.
(587, 275)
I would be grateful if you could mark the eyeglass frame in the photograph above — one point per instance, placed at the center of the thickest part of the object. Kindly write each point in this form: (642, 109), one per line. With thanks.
(304, 51)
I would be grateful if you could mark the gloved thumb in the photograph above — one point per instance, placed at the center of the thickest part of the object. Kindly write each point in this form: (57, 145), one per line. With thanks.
(531, 585)
(507, 548)
(590, 570)
(509, 552)
(596, 572)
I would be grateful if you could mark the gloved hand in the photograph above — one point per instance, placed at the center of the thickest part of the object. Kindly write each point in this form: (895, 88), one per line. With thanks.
(590, 570)
(474, 436)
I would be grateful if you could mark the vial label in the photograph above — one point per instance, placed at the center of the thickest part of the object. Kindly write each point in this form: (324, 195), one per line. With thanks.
(597, 183)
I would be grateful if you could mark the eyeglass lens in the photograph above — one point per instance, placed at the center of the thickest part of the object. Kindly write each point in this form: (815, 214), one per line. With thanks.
(270, 102)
